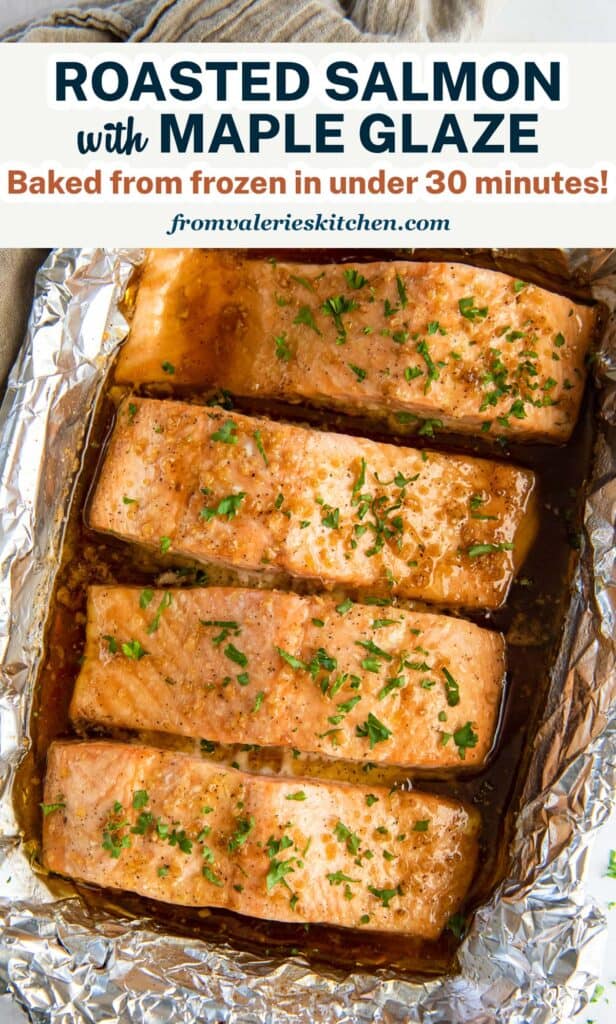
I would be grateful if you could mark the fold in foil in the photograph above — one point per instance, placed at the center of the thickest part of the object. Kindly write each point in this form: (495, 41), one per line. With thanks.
(533, 952)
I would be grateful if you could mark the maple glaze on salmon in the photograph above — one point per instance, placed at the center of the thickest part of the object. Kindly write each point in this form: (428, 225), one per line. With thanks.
(466, 349)
(235, 665)
(251, 493)
(180, 829)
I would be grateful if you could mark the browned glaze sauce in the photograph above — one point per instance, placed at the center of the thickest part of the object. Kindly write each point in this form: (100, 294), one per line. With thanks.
(532, 620)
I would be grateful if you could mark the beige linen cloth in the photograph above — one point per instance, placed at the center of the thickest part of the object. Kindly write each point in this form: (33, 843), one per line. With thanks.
(323, 21)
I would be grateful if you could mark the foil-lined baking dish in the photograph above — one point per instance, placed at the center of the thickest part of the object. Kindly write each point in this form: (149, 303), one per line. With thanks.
(532, 952)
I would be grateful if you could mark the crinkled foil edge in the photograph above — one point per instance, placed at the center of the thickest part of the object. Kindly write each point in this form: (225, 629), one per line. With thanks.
(533, 953)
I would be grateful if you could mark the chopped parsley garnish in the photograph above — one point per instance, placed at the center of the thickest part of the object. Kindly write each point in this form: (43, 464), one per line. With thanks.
(305, 316)
(559, 340)
(162, 871)
(232, 653)
(477, 550)
(168, 367)
(354, 278)
(145, 598)
(396, 683)
(433, 373)
(305, 283)
(456, 925)
(611, 866)
(283, 352)
(227, 433)
(374, 730)
(279, 868)
(371, 799)
(132, 411)
(58, 805)
(332, 518)
(227, 507)
(469, 310)
(132, 649)
(112, 644)
(243, 829)
(345, 607)
(258, 701)
(429, 427)
(292, 660)
(345, 835)
(335, 306)
(465, 737)
(452, 690)
(260, 448)
(401, 292)
(129, 501)
(300, 795)
(140, 799)
(338, 877)
(165, 544)
(411, 373)
(207, 873)
(435, 328)
(385, 895)
(358, 371)
(166, 600)
(518, 286)
(422, 825)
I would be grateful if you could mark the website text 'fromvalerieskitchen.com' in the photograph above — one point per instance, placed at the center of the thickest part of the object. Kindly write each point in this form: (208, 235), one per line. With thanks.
(320, 222)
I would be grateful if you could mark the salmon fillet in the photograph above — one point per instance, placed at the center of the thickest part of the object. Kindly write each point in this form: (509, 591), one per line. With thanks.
(251, 493)
(176, 828)
(468, 349)
(274, 669)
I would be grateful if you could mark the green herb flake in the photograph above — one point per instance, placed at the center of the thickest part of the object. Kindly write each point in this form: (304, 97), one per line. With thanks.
(140, 799)
(464, 738)
(403, 297)
(165, 544)
(244, 827)
(354, 278)
(385, 895)
(259, 443)
(112, 643)
(233, 654)
(129, 501)
(371, 799)
(227, 433)
(338, 877)
(478, 550)
(58, 805)
(305, 316)
(283, 352)
(300, 795)
(456, 925)
(519, 285)
(132, 649)
(470, 311)
(344, 607)
(227, 507)
(162, 871)
(145, 598)
(452, 690)
(168, 367)
(360, 374)
(422, 825)
(258, 701)
(374, 730)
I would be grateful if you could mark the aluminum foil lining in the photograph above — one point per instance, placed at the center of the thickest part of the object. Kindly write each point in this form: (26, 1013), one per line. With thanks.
(533, 953)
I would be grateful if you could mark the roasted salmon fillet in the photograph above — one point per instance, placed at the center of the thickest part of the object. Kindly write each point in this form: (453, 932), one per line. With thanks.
(466, 349)
(251, 493)
(237, 665)
(176, 828)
